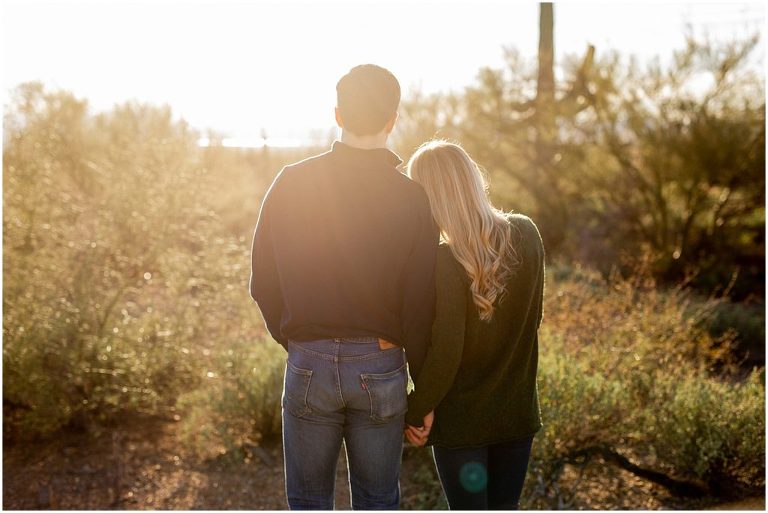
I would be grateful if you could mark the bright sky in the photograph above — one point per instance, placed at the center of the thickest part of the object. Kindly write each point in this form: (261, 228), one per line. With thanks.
(238, 67)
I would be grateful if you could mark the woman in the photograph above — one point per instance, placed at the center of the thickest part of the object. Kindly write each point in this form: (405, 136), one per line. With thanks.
(479, 376)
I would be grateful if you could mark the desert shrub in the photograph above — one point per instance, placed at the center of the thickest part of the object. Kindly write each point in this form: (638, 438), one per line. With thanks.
(90, 205)
(620, 323)
(710, 431)
(581, 407)
(748, 323)
(239, 404)
(110, 256)
(627, 368)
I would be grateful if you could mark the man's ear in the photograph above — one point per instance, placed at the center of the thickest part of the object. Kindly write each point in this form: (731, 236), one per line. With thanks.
(391, 123)
(338, 118)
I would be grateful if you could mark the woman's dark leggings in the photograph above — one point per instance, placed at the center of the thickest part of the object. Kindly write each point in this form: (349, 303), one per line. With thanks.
(488, 477)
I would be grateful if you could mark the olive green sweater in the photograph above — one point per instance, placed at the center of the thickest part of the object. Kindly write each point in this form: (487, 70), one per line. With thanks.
(480, 377)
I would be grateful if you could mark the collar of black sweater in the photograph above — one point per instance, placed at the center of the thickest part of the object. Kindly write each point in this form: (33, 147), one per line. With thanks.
(371, 156)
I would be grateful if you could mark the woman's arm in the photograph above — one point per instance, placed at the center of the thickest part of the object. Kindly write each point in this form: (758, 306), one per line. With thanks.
(444, 355)
(538, 297)
(419, 291)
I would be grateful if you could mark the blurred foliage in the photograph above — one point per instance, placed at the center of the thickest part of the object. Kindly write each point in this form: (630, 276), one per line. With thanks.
(121, 284)
(659, 160)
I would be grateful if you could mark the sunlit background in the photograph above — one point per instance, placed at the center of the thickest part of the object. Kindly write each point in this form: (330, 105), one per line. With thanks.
(249, 69)
(139, 139)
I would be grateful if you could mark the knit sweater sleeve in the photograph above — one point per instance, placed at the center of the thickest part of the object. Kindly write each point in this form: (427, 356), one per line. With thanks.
(265, 283)
(444, 354)
(419, 289)
(537, 264)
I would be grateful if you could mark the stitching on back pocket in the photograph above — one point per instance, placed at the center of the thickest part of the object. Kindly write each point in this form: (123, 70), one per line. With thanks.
(296, 390)
(387, 393)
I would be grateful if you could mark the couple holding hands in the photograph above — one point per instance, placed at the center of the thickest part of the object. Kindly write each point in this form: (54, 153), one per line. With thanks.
(366, 274)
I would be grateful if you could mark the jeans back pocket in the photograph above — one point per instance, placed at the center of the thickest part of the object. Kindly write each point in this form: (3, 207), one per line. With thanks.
(388, 393)
(296, 389)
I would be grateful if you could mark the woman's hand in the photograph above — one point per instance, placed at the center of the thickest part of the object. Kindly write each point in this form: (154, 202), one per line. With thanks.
(418, 435)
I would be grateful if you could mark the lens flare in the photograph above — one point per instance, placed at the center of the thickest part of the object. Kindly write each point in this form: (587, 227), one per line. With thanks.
(473, 477)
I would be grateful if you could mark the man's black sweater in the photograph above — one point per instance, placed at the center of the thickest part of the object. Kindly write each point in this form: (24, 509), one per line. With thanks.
(345, 246)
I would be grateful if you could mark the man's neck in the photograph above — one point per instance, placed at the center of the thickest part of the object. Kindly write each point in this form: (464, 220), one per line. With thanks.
(364, 142)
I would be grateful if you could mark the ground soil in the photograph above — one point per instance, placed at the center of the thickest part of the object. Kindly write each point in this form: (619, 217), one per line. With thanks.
(140, 465)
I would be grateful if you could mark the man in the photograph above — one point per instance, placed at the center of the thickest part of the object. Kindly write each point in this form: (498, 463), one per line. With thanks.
(343, 264)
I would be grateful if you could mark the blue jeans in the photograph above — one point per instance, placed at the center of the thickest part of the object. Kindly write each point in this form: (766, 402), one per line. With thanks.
(489, 477)
(350, 390)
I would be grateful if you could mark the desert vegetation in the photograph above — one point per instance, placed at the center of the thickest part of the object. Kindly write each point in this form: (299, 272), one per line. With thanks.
(126, 263)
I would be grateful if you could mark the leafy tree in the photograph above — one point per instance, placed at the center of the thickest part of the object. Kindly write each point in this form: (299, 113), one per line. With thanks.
(664, 162)
(681, 161)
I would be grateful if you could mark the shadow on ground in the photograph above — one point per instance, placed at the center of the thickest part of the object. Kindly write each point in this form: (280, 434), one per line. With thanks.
(141, 465)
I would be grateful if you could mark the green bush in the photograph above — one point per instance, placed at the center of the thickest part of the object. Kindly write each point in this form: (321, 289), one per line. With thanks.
(627, 368)
(117, 278)
(711, 431)
(240, 402)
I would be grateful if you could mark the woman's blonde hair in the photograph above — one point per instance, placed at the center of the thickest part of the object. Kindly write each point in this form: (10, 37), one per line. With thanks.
(477, 233)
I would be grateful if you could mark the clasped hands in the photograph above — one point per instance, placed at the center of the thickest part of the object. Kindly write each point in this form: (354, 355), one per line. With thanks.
(418, 435)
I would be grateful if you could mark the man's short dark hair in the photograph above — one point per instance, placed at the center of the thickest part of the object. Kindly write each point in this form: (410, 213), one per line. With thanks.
(367, 98)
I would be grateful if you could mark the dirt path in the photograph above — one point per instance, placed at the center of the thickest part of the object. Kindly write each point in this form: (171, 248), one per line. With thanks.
(138, 467)
(141, 465)
(753, 503)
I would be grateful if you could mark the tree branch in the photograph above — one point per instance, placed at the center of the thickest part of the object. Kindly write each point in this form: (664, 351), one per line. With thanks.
(676, 486)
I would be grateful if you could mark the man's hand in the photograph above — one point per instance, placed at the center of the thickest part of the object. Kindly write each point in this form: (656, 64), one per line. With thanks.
(418, 435)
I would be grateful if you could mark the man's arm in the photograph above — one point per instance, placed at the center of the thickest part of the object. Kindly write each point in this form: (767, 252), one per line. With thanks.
(419, 291)
(265, 281)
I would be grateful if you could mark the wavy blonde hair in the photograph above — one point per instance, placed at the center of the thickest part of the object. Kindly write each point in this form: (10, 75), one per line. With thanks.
(477, 233)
